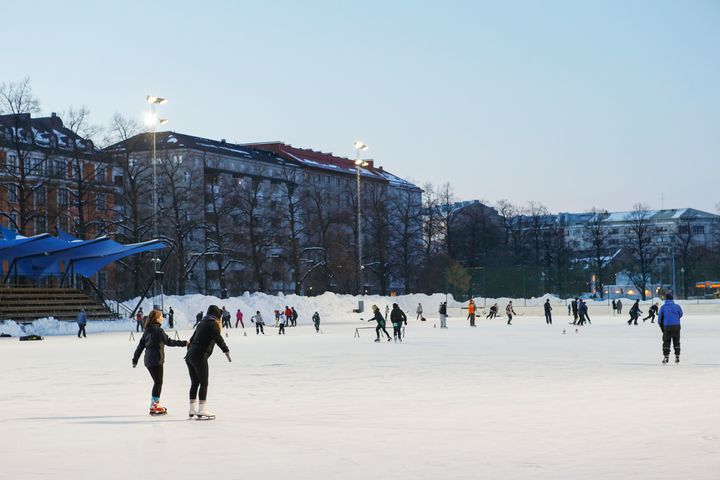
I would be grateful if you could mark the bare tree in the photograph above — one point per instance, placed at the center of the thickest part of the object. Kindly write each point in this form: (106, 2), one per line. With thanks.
(687, 251)
(597, 235)
(134, 215)
(407, 227)
(84, 172)
(431, 222)
(537, 215)
(181, 215)
(26, 167)
(639, 242)
(378, 234)
(446, 201)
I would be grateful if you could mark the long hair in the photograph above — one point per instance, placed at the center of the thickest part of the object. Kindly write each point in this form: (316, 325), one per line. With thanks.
(154, 317)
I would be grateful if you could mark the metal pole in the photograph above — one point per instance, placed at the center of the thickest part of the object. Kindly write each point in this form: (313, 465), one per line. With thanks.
(674, 291)
(155, 203)
(359, 229)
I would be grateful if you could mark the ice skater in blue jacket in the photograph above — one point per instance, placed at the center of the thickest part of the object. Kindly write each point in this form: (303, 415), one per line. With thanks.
(669, 322)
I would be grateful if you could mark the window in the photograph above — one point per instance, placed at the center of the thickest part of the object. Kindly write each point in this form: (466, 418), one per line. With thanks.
(12, 224)
(100, 173)
(40, 225)
(12, 193)
(186, 178)
(62, 223)
(11, 163)
(39, 197)
(698, 230)
(100, 201)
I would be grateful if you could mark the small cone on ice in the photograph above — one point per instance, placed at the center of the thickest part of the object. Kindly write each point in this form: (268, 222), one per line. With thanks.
(576, 331)
(434, 325)
(564, 332)
(244, 334)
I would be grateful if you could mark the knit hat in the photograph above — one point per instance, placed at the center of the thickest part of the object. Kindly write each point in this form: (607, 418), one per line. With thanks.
(214, 311)
(669, 296)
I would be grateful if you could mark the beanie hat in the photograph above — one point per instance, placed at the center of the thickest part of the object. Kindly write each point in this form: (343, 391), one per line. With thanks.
(669, 296)
(214, 311)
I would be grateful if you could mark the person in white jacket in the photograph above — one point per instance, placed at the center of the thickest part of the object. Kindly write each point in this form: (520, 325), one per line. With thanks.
(282, 320)
(259, 323)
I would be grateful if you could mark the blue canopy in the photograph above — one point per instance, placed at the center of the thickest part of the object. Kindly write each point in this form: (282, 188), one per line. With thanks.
(45, 255)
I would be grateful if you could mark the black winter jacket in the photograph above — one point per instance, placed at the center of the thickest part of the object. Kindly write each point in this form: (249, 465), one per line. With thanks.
(397, 316)
(153, 342)
(207, 334)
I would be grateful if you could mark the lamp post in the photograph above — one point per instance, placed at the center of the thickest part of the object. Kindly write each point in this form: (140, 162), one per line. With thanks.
(152, 121)
(359, 163)
(682, 280)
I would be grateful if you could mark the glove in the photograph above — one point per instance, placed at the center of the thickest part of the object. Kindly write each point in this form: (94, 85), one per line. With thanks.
(134, 363)
(227, 354)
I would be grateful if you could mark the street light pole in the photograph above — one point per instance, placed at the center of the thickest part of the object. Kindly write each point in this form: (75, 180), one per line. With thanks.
(153, 121)
(359, 146)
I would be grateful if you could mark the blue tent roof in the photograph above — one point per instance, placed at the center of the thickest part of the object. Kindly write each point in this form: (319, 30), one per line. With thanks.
(45, 255)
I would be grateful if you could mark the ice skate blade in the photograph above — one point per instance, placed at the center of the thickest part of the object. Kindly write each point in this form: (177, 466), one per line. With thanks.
(157, 414)
(204, 418)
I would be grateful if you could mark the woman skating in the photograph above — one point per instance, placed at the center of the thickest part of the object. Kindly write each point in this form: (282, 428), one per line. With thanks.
(207, 334)
(153, 341)
(380, 323)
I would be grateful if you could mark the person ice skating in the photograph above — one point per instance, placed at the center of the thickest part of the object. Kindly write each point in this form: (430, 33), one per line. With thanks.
(207, 334)
(651, 313)
(614, 307)
(574, 306)
(198, 319)
(397, 317)
(569, 310)
(509, 312)
(419, 312)
(225, 318)
(316, 321)
(288, 313)
(82, 322)
(548, 309)
(171, 318)
(294, 317)
(471, 312)
(619, 306)
(669, 322)
(583, 312)
(377, 317)
(239, 319)
(281, 324)
(259, 323)
(153, 341)
(139, 321)
(493, 311)
(635, 312)
(442, 311)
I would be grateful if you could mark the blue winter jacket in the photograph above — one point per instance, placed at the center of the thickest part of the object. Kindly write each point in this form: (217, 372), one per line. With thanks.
(670, 314)
(81, 318)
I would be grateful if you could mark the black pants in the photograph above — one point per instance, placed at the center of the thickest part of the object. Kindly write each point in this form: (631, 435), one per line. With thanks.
(199, 373)
(397, 332)
(472, 319)
(548, 318)
(156, 373)
(171, 323)
(259, 328)
(491, 315)
(139, 326)
(509, 318)
(81, 331)
(651, 317)
(633, 317)
(671, 333)
(377, 331)
(282, 329)
(317, 326)
(575, 316)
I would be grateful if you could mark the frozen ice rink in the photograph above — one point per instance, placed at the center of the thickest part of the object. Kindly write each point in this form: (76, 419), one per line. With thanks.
(492, 402)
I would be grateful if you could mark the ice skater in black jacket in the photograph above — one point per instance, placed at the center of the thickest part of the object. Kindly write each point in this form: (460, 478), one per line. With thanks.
(207, 334)
(397, 318)
(153, 341)
(377, 317)
(651, 313)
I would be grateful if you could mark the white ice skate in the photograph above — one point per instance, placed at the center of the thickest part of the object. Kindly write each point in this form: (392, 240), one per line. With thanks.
(193, 409)
(204, 414)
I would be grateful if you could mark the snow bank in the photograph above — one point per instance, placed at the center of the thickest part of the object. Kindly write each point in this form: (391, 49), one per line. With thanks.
(332, 308)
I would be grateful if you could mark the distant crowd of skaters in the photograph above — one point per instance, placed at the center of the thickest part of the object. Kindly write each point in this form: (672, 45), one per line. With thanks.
(287, 317)
(208, 328)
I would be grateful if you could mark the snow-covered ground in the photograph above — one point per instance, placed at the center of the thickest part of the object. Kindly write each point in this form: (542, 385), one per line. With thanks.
(493, 402)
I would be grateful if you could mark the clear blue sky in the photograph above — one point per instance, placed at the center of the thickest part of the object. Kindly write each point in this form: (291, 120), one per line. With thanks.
(573, 104)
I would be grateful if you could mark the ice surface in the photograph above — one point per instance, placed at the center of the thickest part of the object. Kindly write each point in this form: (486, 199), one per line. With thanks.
(492, 402)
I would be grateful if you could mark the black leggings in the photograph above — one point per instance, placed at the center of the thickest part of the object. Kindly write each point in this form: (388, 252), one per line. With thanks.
(397, 332)
(81, 331)
(671, 333)
(156, 373)
(199, 373)
(381, 327)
